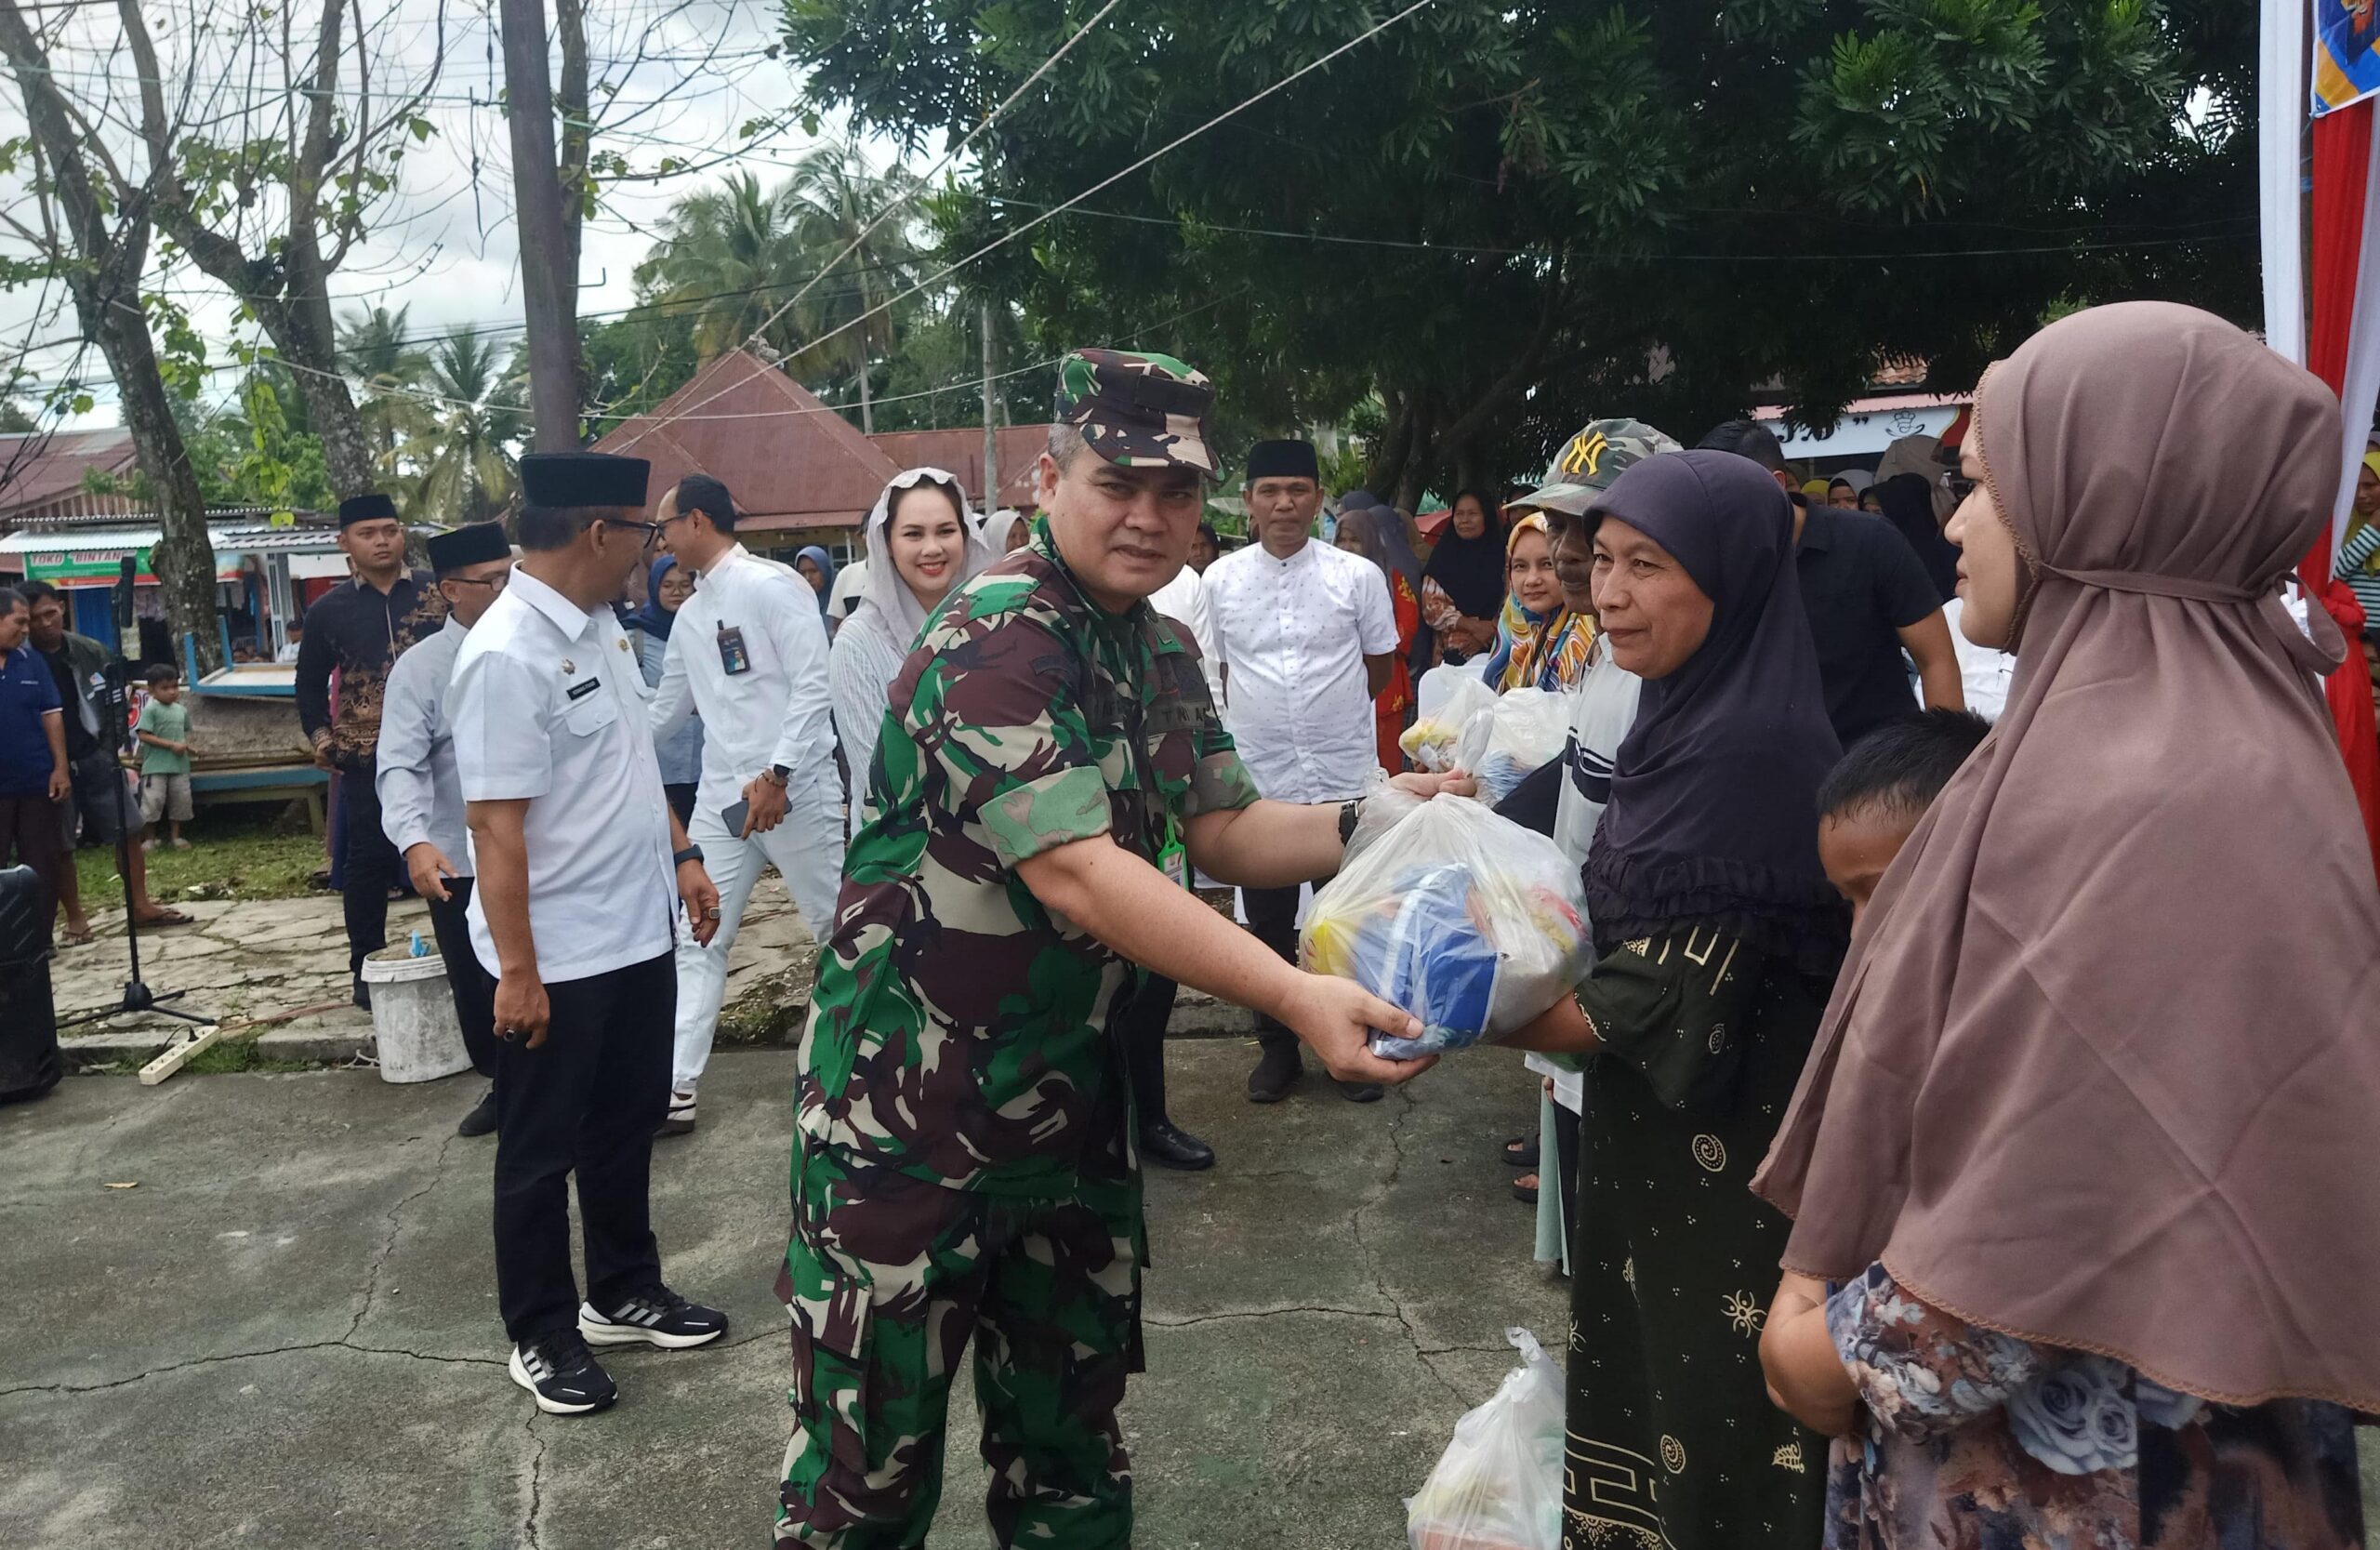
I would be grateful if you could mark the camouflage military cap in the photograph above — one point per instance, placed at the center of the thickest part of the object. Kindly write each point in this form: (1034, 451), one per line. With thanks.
(1137, 410)
(1589, 462)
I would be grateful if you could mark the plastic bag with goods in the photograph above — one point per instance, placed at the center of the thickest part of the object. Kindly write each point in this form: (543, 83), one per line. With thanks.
(1444, 699)
(1502, 742)
(1464, 919)
(1499, 1484)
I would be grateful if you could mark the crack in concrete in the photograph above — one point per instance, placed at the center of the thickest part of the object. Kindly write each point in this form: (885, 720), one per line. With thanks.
(389, 1244)
(249, 1355)
(1375, 1195)
(537, 1481)
(1156, 1323)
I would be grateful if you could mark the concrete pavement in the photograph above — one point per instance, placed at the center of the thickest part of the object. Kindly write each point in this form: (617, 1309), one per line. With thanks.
(285, 1334)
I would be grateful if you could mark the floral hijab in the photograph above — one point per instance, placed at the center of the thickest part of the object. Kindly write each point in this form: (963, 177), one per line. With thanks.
(1533, 649)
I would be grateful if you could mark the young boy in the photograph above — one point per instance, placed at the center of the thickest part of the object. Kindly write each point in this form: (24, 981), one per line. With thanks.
(1869, 803)
(165, 758)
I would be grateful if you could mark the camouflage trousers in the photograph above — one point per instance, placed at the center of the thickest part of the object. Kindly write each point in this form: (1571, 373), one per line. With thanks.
(887, 1277)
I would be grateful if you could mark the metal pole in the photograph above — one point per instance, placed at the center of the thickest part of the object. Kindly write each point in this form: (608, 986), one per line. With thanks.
(991, 423)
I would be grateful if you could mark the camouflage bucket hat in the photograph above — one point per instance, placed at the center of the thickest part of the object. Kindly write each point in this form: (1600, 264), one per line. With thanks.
(1137, 410)
(1590, 461)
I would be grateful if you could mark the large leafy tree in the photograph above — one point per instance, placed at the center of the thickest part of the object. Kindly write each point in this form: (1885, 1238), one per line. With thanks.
(1500, 217)
(376, 353)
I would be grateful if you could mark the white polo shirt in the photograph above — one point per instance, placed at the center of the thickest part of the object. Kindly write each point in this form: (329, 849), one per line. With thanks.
(1293, 635)
(778, 710)
(1183, 599)
(413, 763)
(549, 704)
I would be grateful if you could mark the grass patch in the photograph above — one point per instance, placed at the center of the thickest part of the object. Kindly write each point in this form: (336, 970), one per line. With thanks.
(242, 1055)
(234, 854)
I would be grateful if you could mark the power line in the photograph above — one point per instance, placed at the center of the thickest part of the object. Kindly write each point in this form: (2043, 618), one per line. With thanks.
(1114, 177)
(886, 214)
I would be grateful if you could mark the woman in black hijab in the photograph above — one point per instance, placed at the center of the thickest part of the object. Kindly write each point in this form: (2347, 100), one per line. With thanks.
(1462, 588)
(1908, 502)
(1719, 937)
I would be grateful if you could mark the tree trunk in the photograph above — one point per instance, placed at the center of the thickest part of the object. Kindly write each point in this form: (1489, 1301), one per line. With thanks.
(866, 402)
(303, 331)
(100, 253)
(183, 557)
(548, 283)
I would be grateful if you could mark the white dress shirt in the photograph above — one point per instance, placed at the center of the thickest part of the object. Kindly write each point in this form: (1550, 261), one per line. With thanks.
(1983, 672)
(1293, 635)
(1183, 599)
(776, 712)
(421, 796)
(549, 704)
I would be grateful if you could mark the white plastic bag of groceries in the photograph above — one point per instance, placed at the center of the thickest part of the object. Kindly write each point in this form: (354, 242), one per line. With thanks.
(1499, 1484)
(1444, 700)
(1522, 731)
(1459, 915)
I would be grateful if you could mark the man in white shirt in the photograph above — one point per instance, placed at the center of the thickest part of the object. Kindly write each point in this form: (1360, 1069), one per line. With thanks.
(749, 655)
(421, 797)
(1307, 637)
(581, 869)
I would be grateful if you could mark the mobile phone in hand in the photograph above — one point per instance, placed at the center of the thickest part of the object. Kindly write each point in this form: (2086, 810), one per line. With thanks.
(735, 815)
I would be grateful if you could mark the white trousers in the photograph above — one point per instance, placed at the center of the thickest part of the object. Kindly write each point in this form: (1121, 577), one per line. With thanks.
(807, 850)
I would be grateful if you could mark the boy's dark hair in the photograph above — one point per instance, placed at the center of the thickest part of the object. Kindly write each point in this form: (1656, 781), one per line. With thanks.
(36, 593)
(700, 491)
(161, 674)
(1207, 531)
(1746, 438)
(1897, 770)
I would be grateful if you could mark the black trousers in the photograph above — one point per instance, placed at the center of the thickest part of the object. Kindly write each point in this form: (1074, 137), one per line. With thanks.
(1145, 1047)
(586, 1101)
(473, 986)
(1273, 916)
(368, 866)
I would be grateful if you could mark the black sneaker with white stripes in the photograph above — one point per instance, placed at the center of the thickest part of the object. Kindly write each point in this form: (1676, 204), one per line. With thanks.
(563, 1376)
(655, 1316)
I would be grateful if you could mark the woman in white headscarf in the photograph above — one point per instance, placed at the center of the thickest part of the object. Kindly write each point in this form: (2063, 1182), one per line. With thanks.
(922, 542)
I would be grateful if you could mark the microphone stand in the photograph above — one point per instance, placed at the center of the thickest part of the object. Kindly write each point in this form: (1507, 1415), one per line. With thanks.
(136, 996)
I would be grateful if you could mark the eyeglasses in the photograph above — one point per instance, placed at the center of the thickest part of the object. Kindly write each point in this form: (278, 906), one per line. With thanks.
(650, 530)
(495, 583)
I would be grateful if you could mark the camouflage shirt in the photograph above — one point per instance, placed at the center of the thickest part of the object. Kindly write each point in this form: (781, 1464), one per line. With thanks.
(959, 1031)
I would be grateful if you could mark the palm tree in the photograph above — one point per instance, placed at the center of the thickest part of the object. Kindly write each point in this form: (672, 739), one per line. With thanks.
(464, 454)
(837, 197)
(374, 350)
(728, 255)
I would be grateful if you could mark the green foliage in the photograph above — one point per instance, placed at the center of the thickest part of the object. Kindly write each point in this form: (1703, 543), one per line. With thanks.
(463, 468)
(1568, 208)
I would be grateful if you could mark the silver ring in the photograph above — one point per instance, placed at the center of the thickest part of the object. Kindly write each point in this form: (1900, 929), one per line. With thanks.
(711, 914)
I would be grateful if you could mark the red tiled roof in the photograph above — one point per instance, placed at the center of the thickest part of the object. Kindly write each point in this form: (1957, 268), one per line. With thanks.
(961, 452)
(789, 460)
(41, 471)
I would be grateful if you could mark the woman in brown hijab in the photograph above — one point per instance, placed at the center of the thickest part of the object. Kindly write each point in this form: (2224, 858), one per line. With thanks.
(2083, 1166)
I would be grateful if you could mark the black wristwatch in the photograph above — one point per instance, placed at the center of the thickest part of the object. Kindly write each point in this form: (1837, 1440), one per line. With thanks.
(779, 774)
(1348, 812)
(692, 852)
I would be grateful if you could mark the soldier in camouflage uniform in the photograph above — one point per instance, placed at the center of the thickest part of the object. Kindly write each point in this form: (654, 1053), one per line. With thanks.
(964, 1161)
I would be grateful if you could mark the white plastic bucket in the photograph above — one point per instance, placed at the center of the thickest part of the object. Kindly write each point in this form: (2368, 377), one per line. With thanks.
(412, 1017)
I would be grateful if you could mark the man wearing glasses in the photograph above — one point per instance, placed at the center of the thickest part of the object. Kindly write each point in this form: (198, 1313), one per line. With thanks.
(748, 656)
(421, 799)
(581, 868)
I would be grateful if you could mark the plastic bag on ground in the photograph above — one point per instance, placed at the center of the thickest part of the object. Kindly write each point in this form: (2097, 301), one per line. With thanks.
(1461, 917)
(1499, 1484)
(1522, 730)
(1444, 699)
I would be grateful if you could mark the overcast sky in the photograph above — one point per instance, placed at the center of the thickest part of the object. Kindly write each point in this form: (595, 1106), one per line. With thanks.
(691, 75)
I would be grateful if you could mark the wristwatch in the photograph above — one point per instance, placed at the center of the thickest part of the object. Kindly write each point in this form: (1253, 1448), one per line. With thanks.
(777, 774)
(1348, 812)
(692, 852)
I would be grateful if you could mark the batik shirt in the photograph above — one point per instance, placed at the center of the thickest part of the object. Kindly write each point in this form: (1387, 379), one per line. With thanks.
(961, 1031)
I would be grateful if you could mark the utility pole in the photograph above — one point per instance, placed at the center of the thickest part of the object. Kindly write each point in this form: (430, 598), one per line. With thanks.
(548, 272)
(991, 423)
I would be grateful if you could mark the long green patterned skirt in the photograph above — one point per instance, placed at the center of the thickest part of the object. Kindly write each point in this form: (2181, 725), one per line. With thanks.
(1673, 1441)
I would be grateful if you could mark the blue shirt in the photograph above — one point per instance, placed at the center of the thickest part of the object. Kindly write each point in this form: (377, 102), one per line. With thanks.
(27, 691)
